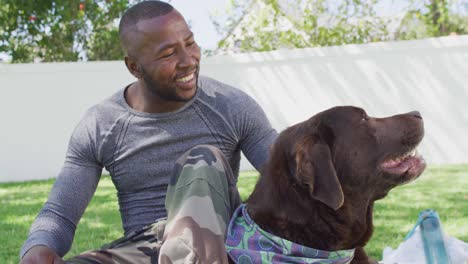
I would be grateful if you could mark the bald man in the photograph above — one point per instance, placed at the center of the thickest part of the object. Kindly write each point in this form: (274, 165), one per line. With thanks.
(171, 141)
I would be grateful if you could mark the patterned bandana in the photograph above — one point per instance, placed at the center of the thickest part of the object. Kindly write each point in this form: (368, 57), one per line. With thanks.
(246, 242)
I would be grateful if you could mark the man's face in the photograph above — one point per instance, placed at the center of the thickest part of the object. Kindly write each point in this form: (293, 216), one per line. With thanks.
(167, 57)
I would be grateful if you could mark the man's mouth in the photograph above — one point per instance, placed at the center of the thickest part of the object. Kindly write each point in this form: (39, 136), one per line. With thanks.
(186, 78)
(410, 163)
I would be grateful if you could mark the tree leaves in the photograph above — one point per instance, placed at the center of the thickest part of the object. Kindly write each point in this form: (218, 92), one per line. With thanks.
(263, 25)
(60, 30)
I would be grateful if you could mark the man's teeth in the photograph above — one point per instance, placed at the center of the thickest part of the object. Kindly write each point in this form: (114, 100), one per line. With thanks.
(185, 79)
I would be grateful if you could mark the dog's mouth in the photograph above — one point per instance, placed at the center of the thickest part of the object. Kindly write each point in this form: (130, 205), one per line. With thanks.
(410, 164)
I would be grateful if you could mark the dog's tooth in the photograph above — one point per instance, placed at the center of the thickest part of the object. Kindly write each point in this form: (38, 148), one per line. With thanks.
(410, 153)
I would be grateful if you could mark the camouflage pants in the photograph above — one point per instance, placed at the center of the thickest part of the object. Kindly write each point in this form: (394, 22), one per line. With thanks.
(201, 198)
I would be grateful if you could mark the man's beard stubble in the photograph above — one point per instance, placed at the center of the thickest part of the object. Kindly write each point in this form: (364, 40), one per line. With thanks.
(168, 94)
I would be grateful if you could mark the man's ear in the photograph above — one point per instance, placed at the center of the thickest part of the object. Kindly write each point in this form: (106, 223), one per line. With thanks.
(315, 169)
(133, 67)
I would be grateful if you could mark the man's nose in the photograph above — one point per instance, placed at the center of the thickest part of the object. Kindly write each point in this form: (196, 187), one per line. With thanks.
(187, 58)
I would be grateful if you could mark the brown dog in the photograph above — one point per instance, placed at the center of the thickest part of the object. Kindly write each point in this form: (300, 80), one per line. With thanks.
(323, 176)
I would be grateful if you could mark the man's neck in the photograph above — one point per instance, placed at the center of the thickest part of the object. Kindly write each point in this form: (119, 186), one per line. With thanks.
(139, 99)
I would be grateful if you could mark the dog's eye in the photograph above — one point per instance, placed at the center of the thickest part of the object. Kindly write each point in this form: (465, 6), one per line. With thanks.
(365, 119)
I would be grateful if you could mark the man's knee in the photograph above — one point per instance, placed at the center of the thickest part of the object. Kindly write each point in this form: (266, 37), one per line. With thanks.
(203, 172)
(198, 160)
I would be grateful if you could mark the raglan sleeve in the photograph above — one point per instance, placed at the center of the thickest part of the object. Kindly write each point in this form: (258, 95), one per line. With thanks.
(255, 131)
(74, 187)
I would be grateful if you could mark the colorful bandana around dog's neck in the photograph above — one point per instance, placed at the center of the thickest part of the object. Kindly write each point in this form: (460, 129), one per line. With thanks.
(246, 242)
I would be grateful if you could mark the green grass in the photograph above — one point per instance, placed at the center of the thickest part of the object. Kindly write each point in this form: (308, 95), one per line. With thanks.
(441, 188)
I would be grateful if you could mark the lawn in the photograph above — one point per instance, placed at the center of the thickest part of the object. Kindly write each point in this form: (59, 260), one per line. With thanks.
(444, 189)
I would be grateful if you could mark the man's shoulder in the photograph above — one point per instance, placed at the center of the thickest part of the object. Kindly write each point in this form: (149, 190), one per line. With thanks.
(216, 90)
(111, 105)
(225, 99)
(105, 112)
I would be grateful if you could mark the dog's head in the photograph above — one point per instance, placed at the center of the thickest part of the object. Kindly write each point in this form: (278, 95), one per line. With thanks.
(342, 150)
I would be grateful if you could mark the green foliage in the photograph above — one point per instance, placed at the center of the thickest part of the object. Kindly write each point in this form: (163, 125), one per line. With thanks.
(104, 44)
(60, 30)
(440, 188)
(434, 18)
(264, 25)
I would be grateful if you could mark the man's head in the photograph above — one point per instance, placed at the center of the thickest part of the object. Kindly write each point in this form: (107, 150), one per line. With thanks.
(160, 50)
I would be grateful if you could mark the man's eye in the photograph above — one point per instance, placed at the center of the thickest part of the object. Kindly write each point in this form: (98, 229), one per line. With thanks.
(190, 43)
(167, 55)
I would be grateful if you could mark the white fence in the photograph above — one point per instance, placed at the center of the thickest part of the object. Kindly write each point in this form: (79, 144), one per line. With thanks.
(41, 103)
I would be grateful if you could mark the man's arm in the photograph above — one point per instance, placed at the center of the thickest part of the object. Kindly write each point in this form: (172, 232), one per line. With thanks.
(76, 183)
(55, 225)
(41, 255)
(256, 133)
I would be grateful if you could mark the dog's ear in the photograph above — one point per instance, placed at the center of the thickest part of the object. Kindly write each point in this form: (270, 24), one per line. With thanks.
(315, 169)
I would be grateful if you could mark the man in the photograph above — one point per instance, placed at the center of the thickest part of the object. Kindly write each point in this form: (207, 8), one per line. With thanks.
(148, 136)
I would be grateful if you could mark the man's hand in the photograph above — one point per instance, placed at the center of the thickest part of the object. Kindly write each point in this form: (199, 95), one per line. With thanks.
(41, 255)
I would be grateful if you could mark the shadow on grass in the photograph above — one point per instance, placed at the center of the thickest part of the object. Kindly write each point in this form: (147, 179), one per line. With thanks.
(21, 202)
(443, 189)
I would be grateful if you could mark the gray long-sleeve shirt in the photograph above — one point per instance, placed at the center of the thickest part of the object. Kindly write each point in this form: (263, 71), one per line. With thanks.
(139, 150)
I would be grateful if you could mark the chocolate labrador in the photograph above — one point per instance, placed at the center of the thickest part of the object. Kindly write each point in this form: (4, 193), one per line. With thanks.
(319, 186)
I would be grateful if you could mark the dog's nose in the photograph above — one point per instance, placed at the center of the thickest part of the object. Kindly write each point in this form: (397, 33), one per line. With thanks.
(415, 114)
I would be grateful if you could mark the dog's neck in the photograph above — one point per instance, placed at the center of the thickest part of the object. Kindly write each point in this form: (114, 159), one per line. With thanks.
(293, 215)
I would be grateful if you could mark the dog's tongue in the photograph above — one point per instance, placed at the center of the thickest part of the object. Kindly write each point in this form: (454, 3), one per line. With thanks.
(400, 166)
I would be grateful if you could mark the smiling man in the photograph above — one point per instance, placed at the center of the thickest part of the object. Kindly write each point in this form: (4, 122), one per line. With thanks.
(171, 142)
(163, 55)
